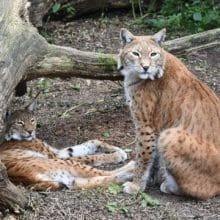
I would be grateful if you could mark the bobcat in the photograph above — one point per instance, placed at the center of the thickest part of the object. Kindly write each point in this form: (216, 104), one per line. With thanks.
(176, 118)
(32, 162)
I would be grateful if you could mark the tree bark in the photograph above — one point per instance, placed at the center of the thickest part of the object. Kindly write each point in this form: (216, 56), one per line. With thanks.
(17, 43)
(10, 197)
(39, 8)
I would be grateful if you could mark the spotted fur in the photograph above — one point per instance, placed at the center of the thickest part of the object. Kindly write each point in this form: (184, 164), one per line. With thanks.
(32, 162)
(176, 117)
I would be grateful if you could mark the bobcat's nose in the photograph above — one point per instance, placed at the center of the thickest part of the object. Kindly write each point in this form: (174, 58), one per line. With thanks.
(145, 68)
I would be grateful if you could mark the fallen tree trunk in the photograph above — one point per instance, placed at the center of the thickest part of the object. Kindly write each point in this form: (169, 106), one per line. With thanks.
(26, 55)
(66, 62)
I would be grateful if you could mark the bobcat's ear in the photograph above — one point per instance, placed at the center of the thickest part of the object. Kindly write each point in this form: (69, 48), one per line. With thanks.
(126, 36)
(31, 107)
(159, 37)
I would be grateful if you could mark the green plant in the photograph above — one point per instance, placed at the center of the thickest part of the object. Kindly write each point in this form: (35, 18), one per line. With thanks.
(146, 200)
(67, 9)
(114, 207)
(178, 15)
(56, 7)
(114, 189)
(106, 134)
(123, 208)
(109, 63)
(47, 36)
(111, 207)
(45, 85)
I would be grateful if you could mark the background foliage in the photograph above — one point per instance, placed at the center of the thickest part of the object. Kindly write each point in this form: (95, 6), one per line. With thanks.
(178, 15)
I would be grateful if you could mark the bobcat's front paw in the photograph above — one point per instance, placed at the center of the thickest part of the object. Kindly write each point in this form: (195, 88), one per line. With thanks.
(131, 188)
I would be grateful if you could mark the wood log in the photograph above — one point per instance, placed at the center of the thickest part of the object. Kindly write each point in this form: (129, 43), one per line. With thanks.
(16, 39)
(38, 9)
(66, 62)
(10, 197)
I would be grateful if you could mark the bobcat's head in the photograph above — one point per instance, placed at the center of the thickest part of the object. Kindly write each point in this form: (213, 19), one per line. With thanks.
(141, 56)
(21, 124)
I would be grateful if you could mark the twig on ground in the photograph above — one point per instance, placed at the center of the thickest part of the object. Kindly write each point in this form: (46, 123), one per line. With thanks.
(64, 114)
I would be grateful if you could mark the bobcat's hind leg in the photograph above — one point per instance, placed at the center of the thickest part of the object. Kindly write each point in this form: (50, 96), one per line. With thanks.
(56, 173)
(194, 165)
(93, 182)
(120, 175)
(84, 149)
(169, 185)
(112, 154)
(39, 173)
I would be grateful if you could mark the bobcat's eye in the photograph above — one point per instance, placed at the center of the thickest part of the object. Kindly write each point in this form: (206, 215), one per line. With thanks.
(32, 120)
(153, 54)
(135, 53)
(20, 123)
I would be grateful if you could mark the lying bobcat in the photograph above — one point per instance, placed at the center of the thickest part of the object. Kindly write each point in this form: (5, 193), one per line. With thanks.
(34, 163)
(176, 117)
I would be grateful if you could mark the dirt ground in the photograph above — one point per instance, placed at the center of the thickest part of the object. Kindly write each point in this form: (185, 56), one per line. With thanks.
(75, 110)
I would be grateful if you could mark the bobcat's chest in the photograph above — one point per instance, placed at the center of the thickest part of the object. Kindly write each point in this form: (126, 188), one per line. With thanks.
(130, 93)
(128, 96)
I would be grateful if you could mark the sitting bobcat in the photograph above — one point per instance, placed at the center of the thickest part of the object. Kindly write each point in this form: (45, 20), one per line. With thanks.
(34, 163)
(176, 117)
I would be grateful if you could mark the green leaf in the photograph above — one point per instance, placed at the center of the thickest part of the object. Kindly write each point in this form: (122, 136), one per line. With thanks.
(106, 134)
(111, 206)
(114, 189)
(69, 8)
(197, 16)
(56, 7)
(146, 200)
(124, 209)
(45, 85)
